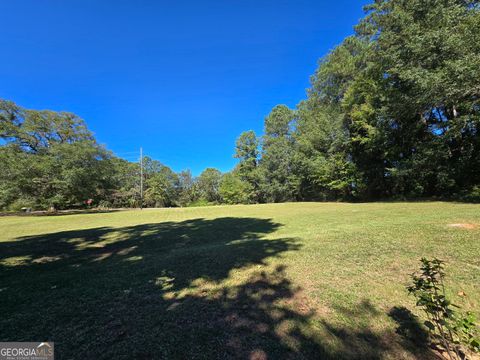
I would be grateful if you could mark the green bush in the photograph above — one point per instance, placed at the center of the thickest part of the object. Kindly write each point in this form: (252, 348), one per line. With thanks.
(201, 202)
(233, 190)
(449, 327)
(473, 195)
(104, 204)
(18, 204)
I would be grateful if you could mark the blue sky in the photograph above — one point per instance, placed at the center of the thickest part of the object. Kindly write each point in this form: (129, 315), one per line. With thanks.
(181, 78)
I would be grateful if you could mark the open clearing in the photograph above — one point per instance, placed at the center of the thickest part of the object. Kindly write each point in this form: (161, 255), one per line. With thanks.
(294, 280)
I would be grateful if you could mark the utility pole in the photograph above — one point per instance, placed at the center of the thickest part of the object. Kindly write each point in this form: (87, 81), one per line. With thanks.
(141, 178)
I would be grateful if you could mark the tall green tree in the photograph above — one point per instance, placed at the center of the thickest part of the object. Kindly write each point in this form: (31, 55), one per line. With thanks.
(247, 151)
(50, 159)
(425, 68)
(323, 164)
(125, 191)
(234, 190)
(161, 184)
(209, 184)
(36, 131)
(279, 178)
(188, 188)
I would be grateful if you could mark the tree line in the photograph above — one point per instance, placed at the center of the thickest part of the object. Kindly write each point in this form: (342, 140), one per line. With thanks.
(393, 112)
(50, 159)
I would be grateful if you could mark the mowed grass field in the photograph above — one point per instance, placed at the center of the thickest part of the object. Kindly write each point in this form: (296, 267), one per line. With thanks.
(277, 281)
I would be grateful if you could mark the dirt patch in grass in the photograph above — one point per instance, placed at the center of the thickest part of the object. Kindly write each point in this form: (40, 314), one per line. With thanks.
(467, 226)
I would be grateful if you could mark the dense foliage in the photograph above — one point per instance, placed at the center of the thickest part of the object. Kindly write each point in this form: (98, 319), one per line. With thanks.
(392, 112)
(49, 159)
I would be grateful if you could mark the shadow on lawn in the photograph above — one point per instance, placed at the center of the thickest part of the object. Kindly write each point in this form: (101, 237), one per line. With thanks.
(166, 291)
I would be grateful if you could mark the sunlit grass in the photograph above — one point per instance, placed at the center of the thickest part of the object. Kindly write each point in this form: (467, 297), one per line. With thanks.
(301, 279)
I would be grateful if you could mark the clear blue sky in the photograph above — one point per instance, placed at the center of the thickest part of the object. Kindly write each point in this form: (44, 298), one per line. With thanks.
(181, 78)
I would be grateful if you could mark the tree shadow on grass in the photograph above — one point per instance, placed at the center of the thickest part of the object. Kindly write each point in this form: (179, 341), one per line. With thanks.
(196, 289)
(186, 250)
(367, 337)
(414, 336)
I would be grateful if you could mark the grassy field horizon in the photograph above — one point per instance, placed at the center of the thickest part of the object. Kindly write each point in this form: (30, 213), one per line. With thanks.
(272, 281)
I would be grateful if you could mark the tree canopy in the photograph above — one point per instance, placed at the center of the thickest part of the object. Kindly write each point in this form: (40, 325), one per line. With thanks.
(393, 112)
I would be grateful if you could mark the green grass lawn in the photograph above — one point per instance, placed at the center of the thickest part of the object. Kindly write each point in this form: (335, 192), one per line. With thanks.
(296, 280)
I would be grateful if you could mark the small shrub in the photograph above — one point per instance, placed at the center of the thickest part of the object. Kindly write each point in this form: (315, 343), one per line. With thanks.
(443, 323)
(200, 202)
(473, 195)
(18, 204)
(466, 330)
(104, 205)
